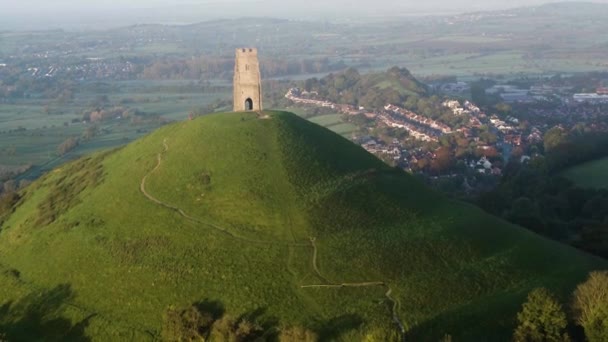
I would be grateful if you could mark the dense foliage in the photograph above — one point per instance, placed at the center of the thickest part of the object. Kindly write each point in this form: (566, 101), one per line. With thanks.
(537, 196)
(541, 319)
(590, 304)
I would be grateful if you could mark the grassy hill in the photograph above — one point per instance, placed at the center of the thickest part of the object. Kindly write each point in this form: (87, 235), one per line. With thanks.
(250, 213)
(589, 175)
(373, 90)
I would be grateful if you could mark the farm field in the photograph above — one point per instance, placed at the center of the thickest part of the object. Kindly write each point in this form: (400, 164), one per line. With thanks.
(32, 129)
(335, 123)
(593, 174)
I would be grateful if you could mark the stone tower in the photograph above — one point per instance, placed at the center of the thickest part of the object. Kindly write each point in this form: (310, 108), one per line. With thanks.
(247, 81)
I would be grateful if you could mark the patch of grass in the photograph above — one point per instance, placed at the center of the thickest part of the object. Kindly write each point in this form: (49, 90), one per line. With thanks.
(590, 175)
(63, 192)
(250, 194)
(327, 120)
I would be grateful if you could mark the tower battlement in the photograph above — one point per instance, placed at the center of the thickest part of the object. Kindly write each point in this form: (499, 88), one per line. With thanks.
(246, 51)
(247, 81)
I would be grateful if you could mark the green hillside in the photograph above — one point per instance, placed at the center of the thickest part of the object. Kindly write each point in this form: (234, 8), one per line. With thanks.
(590, 175)
(256, 214)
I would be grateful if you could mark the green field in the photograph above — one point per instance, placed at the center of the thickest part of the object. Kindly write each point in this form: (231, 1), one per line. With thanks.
(333, 122)
(327, 120)
(35, 127)
(249, 212)
(590, 175)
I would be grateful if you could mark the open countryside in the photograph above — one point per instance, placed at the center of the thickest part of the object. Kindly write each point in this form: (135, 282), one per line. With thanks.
(342, 173)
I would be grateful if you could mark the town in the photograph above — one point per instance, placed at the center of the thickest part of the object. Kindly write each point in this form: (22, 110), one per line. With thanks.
(481, 145)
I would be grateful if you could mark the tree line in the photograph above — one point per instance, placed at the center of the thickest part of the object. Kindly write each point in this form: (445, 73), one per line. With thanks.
(205, 67)
(534, 194)
(543, 317)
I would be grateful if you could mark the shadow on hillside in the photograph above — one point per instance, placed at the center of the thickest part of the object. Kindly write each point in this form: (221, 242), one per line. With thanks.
(213, 307)
(208, 320)
(338, 326)
(491, 318)
(35, 317)
(269, 325)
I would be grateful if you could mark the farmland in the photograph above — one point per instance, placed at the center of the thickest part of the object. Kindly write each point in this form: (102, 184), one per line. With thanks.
(590, 175)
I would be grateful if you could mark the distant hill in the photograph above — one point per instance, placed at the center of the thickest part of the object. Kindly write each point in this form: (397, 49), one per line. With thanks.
(276, 219)
(373, 90)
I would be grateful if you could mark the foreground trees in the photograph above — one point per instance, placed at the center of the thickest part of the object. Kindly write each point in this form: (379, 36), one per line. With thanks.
(590, 305)
(206, 321)
(542, 318)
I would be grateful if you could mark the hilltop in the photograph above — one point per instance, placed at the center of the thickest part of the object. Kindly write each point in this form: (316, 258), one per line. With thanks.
(277, 219)
(372, 91)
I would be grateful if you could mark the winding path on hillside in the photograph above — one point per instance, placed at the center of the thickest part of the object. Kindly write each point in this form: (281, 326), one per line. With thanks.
(312, 243)
(331, 285)
(142, 188)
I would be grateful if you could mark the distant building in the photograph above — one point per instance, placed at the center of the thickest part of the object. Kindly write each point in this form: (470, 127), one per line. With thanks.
(516, 97)
(602, 91)
(590, 97)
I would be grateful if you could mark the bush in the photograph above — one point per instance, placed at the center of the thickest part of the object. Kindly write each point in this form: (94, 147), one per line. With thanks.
(228, 329)
(590, 305)
(297, 334)
(186, 325)
(67, 146)
(541, 319)
(7, 202)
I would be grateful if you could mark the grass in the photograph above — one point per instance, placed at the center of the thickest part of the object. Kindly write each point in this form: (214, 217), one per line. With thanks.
(327, 120)
(258, 190)
(591, 175)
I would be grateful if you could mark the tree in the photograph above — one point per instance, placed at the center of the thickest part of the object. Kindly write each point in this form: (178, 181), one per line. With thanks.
(228, 329)
(542, 318)
(443, 160)
(553, 138)
(478, 93)
(297, 334)
(7, 202)
(10, 186)
(590, 306)
(186, 325)
(90, 132)
(67, 146)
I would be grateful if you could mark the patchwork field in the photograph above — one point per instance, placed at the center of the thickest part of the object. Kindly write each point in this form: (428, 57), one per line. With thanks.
(32, 129)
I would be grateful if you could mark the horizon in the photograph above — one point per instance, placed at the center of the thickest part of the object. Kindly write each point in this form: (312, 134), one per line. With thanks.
(74, 15)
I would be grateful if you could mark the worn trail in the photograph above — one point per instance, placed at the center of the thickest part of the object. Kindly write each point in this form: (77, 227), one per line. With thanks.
(330, 285)
(312, 243)
(181, 212)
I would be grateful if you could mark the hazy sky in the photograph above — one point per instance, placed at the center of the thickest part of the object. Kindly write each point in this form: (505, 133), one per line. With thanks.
(21, 14)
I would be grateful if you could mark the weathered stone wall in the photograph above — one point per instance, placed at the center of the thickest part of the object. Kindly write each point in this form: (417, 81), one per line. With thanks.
(247, 80)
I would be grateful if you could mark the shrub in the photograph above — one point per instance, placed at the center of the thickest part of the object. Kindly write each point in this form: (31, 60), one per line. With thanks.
(542, 318)
(228, 329)
(7, 202)
(186, 325)
(590, 305)
(297, 334)
(67, 146)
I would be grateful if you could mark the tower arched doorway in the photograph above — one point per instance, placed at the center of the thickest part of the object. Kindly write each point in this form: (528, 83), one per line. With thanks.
(249, 104)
